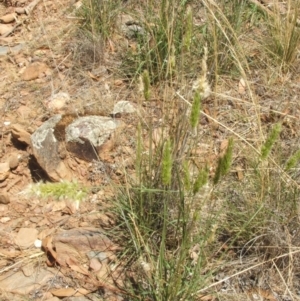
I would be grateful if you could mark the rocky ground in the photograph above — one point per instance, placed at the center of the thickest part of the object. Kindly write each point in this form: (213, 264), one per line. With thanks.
(41, 94)
(61, 119)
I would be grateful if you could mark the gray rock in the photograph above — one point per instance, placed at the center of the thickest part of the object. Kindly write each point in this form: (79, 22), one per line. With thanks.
(45, 147)
(4, 50)
(131, 31)
(123, 106)
(85, 135)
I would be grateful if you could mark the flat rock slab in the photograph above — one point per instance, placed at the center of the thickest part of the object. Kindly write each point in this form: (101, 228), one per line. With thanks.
(26, 237)
(73, 245)
(17, 282)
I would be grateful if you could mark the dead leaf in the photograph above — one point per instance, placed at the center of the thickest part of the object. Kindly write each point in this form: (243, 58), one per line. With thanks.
(223, 147)
(240, 174)
(242, 86)
(111, 45)
(92, 76)
(118, 82)
(51, 254)
(95, 264)
(104, 272)
(208, 298)
(265, 294)
(46, 232)
(68, 292)
(76, 267)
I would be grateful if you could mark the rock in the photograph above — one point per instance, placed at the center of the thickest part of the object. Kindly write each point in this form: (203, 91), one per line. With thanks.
(24, 112)
(45, 147)
(21, 61)
(20, 134)
(4, 50)
(4, 29)
(4, 171)
(26, 237)
(34, 71)
(58, 101)
(8, 18)
(20, 10)
(123, 106)
(16, 282)
(13, 161)
(17, 48)
(133, 30)
(85, 135)
(78, 243)
(4, 198)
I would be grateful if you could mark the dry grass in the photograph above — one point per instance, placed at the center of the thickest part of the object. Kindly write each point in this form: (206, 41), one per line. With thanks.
(248, 223)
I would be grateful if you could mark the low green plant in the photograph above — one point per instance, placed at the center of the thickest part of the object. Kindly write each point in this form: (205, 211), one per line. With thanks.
(168, 42)
(98, 18)
(293, 161)
(59, 191)
(271, 139)
(163, 209)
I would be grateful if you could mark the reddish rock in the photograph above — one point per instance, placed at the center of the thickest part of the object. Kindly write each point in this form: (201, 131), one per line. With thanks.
(34, 71)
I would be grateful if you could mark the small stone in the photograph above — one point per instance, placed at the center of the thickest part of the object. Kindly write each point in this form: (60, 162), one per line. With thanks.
(13, 161)
(20, 10)
(8, 18)
(17, 48)
(26, 237)
(4, 219)
(4, 50)
(38, 243)
(123, 106)
(20, 134)
(4, 198)
(58, 101)
(34, 71)
(4, 29)
(24, 112)
(4, 171)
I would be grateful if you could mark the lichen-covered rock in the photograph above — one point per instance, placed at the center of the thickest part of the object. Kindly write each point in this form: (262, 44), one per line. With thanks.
(45, 148)
(123, 106)
(85, 135)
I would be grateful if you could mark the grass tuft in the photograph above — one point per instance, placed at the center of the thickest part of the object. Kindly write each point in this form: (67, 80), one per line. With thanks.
(270, 141)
